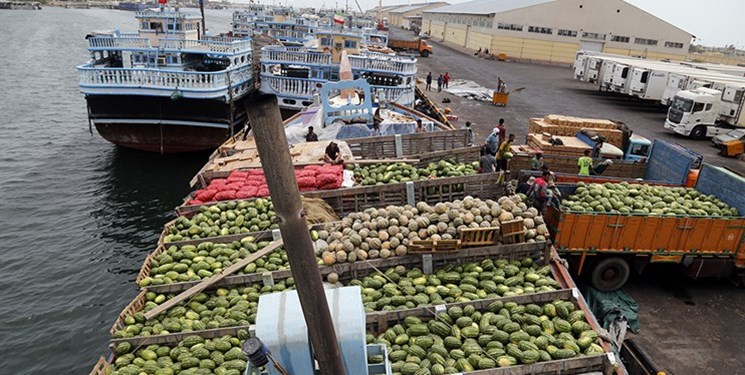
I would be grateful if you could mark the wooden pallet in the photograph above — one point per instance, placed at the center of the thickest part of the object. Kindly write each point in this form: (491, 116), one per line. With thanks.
(514, 238)
(434, 246)
(479, 236)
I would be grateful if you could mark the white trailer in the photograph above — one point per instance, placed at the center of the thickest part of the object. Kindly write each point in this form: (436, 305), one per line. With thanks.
(689, 81)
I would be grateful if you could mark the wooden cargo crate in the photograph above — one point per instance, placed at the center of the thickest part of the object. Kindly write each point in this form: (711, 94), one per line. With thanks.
(539, 251)
(568, 164)
(378, 322)
(538, 126)
(413, 144)
(359, 198)
(511, 227)
(218, 239)
(145, 268)
(580, 122)
(433, 246)
(445, 189)
(101, 367)
(479, 236)
(460, 155)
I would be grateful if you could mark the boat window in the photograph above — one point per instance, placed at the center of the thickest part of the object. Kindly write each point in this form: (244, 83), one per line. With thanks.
(698, 107)
(144, 25)
(708, 107)
(350, 44)
(325, 41)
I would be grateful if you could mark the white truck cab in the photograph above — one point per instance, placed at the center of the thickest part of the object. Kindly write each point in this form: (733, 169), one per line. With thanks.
(704, 112)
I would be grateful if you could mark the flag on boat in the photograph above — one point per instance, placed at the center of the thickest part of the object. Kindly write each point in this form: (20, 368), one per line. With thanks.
(162, 1)
(339, 18)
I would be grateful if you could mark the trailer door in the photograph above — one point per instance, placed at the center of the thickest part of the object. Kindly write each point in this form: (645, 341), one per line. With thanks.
(591, 46)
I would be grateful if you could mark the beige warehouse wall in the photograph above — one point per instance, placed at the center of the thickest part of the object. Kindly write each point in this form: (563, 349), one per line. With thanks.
(478, 40)
(456, 34)
(649, 54)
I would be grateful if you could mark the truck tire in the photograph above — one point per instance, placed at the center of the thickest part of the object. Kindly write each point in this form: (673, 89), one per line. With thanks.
(610, 274)
(698, 132)
(424, 53)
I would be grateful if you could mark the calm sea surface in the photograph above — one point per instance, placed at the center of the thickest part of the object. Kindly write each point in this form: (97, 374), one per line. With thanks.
(77, 214)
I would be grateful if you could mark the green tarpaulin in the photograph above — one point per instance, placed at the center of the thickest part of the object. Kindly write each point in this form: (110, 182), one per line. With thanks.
(610, 306)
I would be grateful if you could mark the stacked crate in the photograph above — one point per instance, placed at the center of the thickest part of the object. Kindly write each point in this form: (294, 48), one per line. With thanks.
(558, 125)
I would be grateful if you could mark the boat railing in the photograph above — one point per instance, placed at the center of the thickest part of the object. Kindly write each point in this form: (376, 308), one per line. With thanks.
(393, 93)
(107, 42)
(292, 86)
(387, 64)
(159, 78)
(294, 55)
(234, 46)
(165, 14)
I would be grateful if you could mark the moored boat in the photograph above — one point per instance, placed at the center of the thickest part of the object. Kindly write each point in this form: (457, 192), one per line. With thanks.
(169, 87)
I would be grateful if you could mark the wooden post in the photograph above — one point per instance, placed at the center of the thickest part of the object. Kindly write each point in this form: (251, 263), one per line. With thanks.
(271, 142)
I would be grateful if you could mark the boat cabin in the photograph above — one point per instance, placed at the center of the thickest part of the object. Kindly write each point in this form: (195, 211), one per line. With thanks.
(154, 26)
(335, 43)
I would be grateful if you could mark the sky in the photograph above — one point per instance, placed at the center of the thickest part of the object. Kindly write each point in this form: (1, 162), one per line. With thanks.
(713, 22)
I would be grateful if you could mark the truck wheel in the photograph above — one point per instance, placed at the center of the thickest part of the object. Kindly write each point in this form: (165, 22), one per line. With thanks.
(698, 132)
(610, 274)
(424, 53)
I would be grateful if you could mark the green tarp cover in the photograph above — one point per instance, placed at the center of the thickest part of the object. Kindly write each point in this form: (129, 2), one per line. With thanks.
(609, 306)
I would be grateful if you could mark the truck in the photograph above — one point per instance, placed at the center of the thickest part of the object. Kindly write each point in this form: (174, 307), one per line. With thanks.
(635, 146)
(704, 113)
(579, 134)
(607, 247)
(418, 45)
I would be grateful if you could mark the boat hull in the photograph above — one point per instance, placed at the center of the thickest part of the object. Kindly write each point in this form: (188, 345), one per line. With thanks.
(163, 125)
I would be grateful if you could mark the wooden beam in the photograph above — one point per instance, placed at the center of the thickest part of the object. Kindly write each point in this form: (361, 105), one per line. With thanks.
(212, 280)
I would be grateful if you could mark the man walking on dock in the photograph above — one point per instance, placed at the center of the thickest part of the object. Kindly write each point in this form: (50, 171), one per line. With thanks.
(446, 79)
(439, 83)
(502, 130)
(429, 81)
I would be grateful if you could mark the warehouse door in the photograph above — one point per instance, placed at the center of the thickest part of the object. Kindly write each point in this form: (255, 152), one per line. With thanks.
(591, 46)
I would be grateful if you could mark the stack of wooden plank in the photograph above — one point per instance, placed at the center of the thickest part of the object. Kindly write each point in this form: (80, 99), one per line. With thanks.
(571, 146)
(558, 125)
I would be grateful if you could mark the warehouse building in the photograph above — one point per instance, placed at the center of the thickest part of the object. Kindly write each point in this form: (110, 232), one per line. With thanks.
(398, 16)
(553, 30)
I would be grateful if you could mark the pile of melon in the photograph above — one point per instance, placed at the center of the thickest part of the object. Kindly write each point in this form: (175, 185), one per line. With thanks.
(625, 198)
(385, 232)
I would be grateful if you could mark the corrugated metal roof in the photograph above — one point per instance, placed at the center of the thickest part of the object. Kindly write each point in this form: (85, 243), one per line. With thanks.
(416, 6)
(488, 6)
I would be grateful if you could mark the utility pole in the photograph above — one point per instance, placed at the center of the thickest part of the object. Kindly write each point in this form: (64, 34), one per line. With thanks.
(271, 142)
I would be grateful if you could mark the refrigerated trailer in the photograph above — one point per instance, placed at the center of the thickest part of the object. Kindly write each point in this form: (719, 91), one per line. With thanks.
(641, 78)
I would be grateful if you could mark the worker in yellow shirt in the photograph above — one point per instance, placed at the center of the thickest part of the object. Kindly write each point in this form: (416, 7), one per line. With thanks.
(585, 164)
(504, 154)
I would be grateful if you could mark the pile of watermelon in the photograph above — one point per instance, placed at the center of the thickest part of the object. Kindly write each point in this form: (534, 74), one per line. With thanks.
(252, 183)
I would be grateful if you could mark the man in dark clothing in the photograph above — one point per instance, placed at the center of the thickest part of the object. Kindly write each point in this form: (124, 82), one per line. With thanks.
(333, 154)
(596, 149)
(311, 136)
(429, 81)
(487, 163)
(439, 83)
(502, 130)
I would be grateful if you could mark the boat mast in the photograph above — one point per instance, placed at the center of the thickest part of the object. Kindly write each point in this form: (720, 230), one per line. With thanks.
(201, 9)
